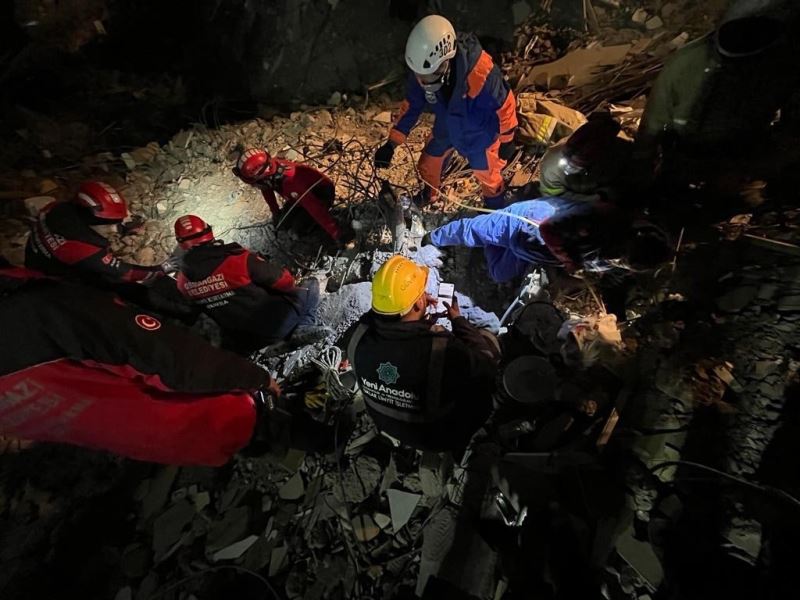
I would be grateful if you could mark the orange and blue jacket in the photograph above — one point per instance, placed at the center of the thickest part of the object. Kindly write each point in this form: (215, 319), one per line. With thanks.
(480, 110)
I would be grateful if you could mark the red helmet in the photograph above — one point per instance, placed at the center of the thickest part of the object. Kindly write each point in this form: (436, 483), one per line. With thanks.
(191, 231)
(254, 164)
(106, 203)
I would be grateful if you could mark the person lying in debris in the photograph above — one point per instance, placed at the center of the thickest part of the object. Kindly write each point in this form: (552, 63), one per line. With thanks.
(427, 387)
(69, 239)
(475, 109)
(89, 370)
(589, 160)
(574, 232)
(255, 302)
(298, 184)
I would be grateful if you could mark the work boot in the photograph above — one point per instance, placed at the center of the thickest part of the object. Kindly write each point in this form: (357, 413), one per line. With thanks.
(304, 335)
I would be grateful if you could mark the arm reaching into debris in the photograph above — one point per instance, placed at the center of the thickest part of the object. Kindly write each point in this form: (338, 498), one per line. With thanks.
(269, 275)
(270, 199)
(101, 261)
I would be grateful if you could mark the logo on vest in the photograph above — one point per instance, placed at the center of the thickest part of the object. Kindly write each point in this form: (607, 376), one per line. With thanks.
(147, 322)
(388, 373)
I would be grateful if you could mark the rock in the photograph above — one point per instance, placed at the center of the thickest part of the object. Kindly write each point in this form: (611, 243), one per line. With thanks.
(737, 298)
(668, 9)
(145, 256)
(135, 560)
(231, 528)
(359, 481)
(169, 526)
(654, 23)
(383, 521)
(201, 500)
(642, 557)
(789, 303)
(520, 12)
(277, 560)
(293, 489)
(324, 118)
(157, 492)
(401, 505)
(125, 593)
(365, 528)
(47, 185)
(35, 204)
(235, 550)
(383, 117)
(294, 155)
(182, 139)
(640, 16)
(185, 184)
(335, 99)
(128, 160)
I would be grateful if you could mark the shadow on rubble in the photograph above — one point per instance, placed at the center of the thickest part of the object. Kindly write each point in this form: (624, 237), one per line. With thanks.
(64, 519)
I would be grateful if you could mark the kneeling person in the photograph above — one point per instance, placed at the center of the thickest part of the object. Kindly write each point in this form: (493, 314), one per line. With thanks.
(255, 302)
(423, 385)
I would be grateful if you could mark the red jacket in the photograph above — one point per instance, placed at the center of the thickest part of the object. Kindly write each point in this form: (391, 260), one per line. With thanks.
(63, 244)
(87, 369)
(300, 183)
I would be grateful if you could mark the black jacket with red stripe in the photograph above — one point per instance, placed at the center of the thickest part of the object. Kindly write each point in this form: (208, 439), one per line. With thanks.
(62, 243)
(242, 291)
(50, 320)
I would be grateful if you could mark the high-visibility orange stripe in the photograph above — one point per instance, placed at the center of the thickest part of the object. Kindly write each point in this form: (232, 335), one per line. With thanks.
(507, 114)
(395, 136)
(477, 77)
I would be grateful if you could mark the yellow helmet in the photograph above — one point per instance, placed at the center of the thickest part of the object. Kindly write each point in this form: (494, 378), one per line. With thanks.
(397, 285)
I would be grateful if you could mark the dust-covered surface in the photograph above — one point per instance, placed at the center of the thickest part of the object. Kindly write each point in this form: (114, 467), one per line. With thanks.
(708, 366)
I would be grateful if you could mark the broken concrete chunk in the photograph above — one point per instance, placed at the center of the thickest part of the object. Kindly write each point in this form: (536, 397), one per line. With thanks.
(401, 505)
(36, 203)
(135, 560)
(383, 117)
(293, 489)
(355, 445)
(277, 560)
(293, 459)
(232, 527)
(125, 593)
(236, 549)
(335, 99)
(170, 525)
(789, 304)
(128, 160)
(737, 298)
(365, 528)
(640, 16)
(185, 184)
(383, 521)
(654, 23)
(158, 492)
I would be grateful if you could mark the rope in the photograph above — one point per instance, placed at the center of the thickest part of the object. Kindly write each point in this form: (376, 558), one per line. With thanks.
(328, 363)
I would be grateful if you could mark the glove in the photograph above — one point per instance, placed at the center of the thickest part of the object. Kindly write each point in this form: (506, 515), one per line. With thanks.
(507, 150)
(383, 155)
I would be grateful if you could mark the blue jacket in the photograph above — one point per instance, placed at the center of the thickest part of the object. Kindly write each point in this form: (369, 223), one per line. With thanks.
(481, 109)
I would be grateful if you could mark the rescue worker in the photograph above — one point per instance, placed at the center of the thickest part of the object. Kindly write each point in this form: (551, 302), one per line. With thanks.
(475, 109)
(69, 239)
(87, 369)
(713, 108)
(427, 387)
(574, 232)
(254, 301)
(296, 183)
(590, 160)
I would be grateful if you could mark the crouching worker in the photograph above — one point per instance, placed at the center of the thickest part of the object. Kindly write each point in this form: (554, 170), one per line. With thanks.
(423, 385)
(69, 239)
(573, 232)
(87, 369)
(591, 159)
(296, 183)
(254, 301)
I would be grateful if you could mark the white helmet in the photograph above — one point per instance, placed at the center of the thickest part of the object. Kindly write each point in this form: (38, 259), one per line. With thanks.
(430, 43)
